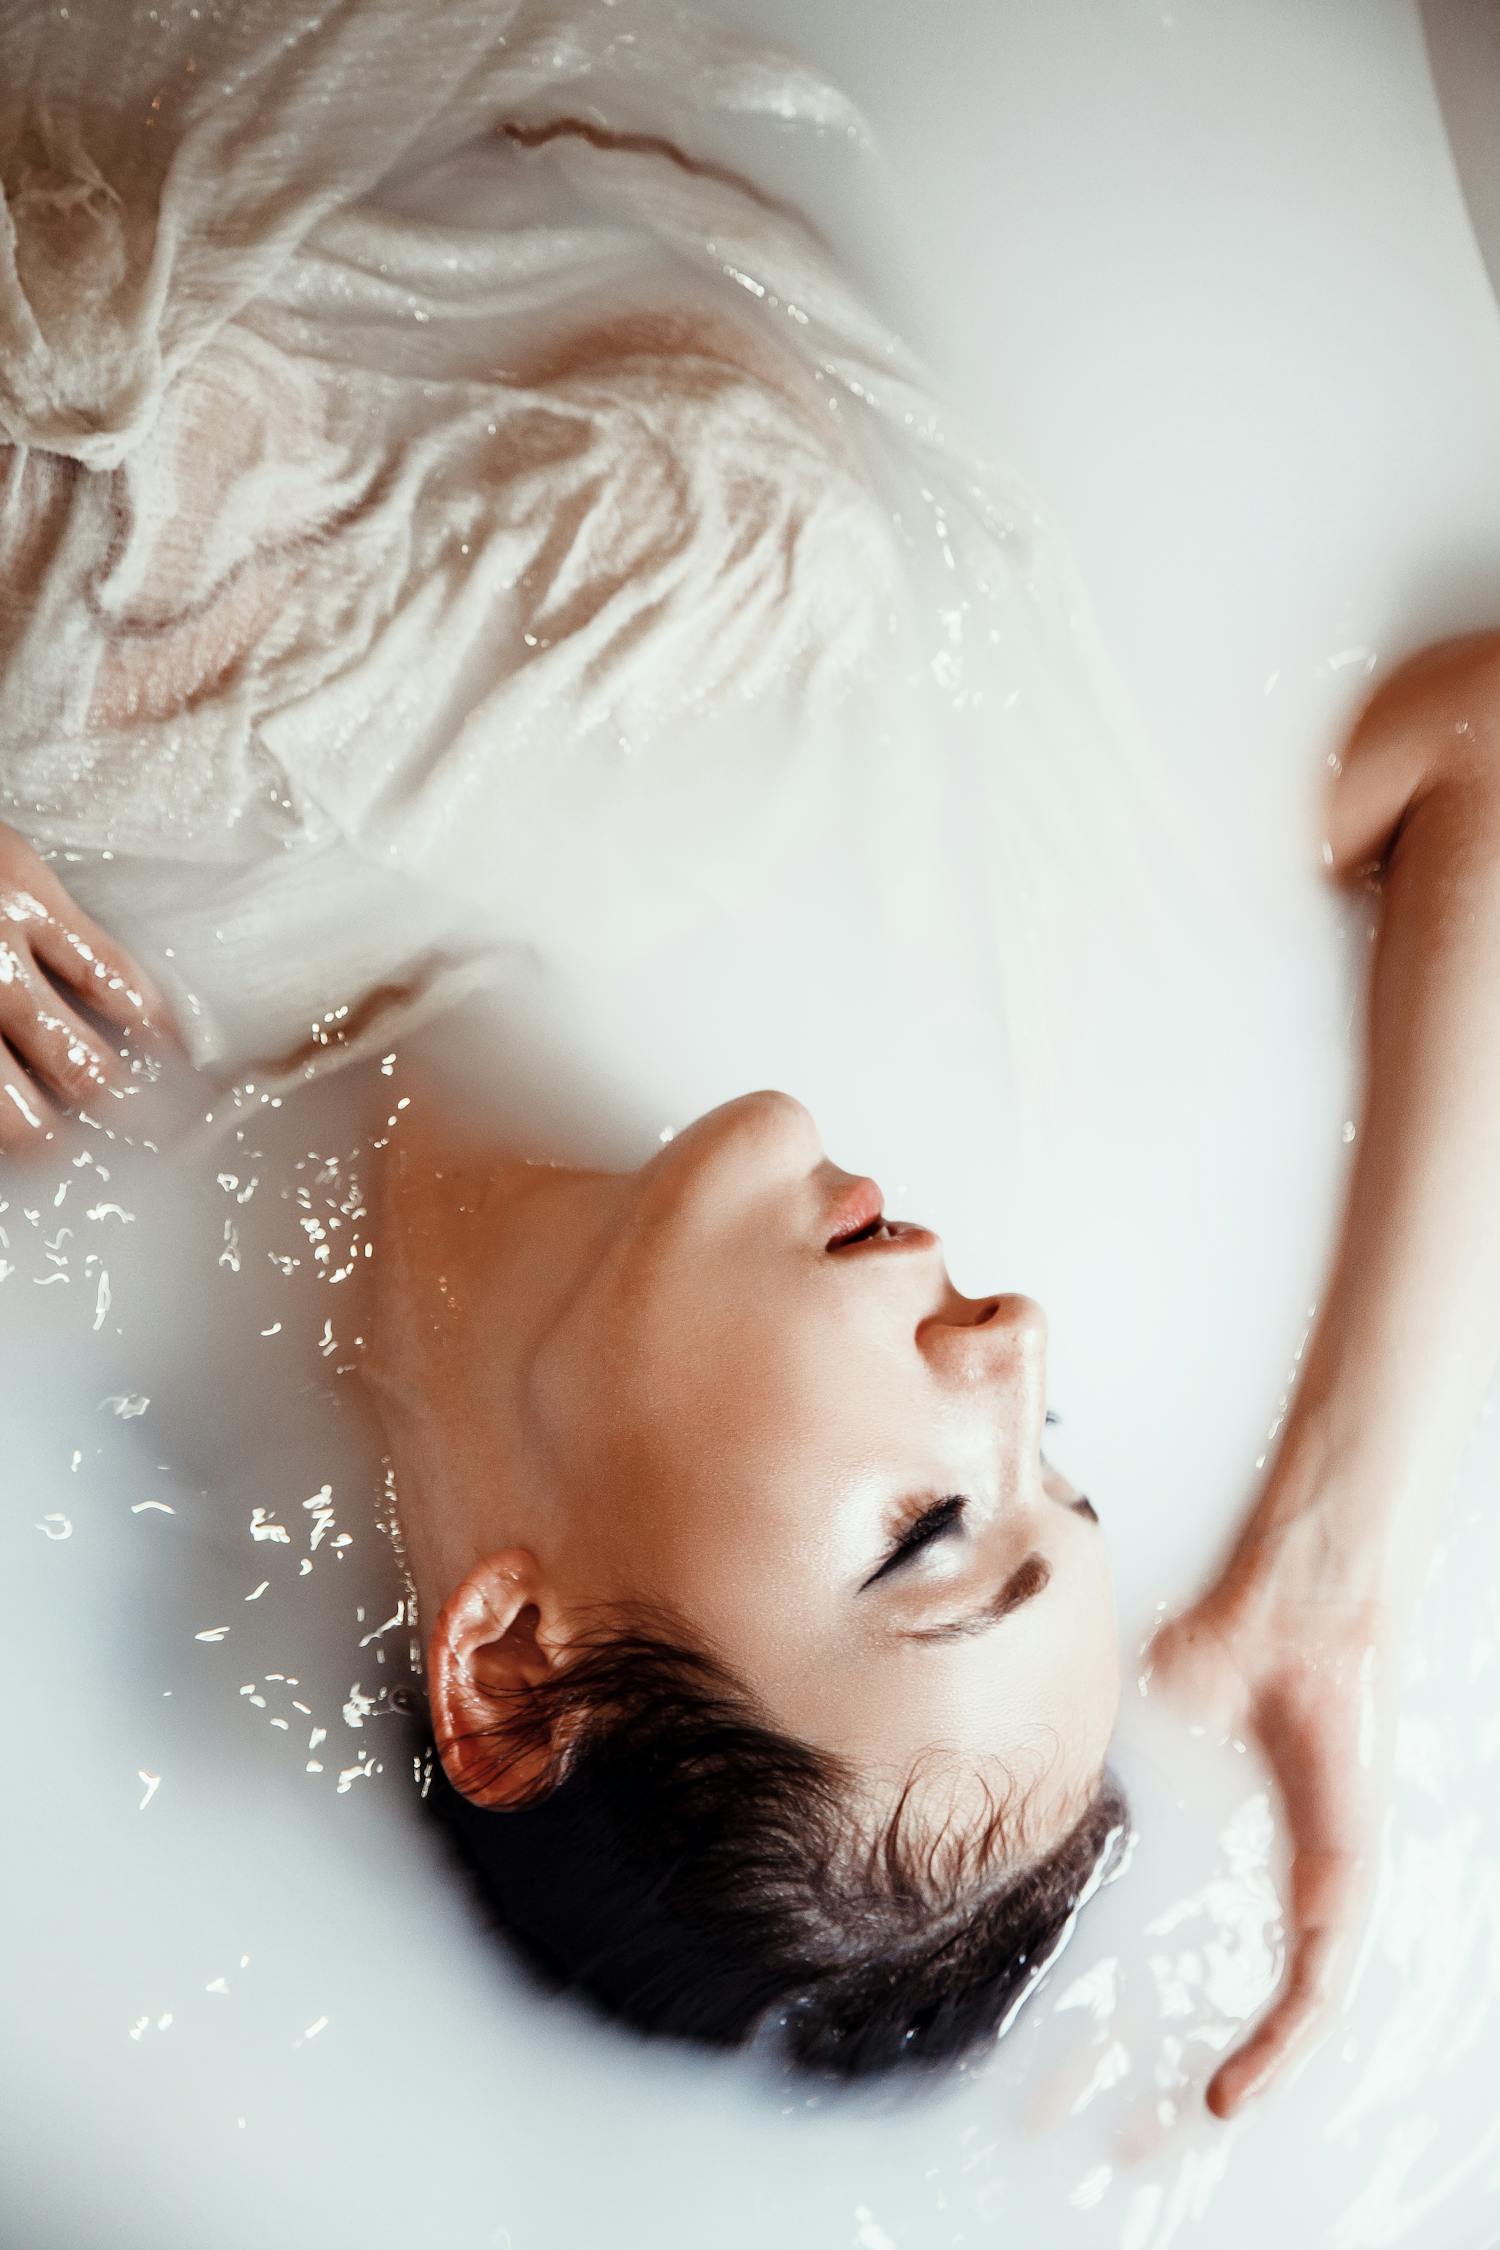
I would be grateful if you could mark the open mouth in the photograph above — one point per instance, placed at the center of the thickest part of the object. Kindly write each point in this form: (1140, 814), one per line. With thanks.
(857, 1214)
(859, 1217)
(881, 1229)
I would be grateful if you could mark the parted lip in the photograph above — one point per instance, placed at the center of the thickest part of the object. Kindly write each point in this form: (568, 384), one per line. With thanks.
(854, 1205)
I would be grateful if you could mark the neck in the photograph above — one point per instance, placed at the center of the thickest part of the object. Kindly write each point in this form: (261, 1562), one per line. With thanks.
(479, 1251)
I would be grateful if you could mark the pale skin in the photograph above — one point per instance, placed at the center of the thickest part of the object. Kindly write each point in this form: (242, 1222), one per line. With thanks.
(774, 1404)
(1295, 1643)
(679, 1387)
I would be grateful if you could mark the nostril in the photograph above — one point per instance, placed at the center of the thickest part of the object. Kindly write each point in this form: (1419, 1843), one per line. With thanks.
(1021, 1317)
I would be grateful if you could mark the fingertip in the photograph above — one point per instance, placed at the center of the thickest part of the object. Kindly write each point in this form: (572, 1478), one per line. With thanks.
(162, 1027)
(1220, 2099)
(1241, 2080)
(152, 1017)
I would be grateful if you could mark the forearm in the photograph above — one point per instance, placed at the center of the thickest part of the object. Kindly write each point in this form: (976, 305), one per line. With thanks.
(1408, 1332)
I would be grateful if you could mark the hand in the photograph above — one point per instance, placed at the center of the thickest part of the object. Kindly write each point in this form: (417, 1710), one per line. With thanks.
(1275, 1655)
(49, 1054)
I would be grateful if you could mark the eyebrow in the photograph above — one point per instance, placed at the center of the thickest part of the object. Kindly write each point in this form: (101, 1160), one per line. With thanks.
(1022, 1586)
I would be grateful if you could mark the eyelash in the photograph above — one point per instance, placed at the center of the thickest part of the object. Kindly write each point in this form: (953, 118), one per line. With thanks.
(943, 1516)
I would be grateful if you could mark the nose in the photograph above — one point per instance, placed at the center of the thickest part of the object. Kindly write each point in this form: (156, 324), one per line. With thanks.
(995, 1343)
(1010, 1326)
(1019, 1320)
(993, 1350)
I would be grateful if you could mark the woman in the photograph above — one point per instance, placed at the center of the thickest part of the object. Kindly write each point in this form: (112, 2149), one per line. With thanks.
(770, 1663)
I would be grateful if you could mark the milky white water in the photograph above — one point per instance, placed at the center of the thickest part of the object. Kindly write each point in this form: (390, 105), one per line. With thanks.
(1209, 279)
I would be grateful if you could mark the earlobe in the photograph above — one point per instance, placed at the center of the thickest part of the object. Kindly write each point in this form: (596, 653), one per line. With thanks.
(496, 1638)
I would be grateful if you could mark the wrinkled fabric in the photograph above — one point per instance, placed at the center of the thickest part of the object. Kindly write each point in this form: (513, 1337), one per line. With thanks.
(396, 412)
(305, 486)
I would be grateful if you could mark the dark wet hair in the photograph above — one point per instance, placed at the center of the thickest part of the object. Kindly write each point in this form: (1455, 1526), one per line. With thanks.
(698, 1874)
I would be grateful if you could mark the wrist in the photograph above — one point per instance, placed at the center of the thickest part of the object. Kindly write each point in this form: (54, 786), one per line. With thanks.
(1338, 1520)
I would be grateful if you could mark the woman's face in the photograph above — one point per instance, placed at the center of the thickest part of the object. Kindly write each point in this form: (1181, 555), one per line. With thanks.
(759, 1407)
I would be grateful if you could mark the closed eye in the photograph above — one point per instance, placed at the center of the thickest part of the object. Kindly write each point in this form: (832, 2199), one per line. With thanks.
(933, 1523)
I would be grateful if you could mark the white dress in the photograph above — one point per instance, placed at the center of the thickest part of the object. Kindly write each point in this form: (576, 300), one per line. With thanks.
(412, 427)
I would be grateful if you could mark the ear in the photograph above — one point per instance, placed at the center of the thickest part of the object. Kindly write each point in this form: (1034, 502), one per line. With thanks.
(498, 1635)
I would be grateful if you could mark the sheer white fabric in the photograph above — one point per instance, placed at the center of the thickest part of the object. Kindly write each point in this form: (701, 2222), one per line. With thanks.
(404, 416)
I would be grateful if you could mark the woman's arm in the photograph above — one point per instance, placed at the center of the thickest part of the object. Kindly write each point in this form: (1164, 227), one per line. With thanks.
(1409, 1332)
(1296, 1640)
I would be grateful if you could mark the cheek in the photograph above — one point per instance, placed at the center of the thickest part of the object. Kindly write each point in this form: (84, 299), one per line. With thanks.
(749, 1423)
(745, 1523)
(755, 1589)
(737, 1365)
(747, 1531)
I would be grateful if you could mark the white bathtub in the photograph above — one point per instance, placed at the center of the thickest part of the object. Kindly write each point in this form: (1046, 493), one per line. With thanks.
(1208, 275)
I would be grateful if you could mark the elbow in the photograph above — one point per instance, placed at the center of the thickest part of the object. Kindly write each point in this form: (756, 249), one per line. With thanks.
(1440, 705)
(1432, 724)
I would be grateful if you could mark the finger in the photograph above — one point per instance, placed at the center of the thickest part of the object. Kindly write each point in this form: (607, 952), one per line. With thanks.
(1299, 2018)
(56, 1046)
(91, 963)
(1328, 1892)
(27, 1114)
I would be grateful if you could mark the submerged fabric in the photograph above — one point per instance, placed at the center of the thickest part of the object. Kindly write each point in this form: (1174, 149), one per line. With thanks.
(393, 418)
